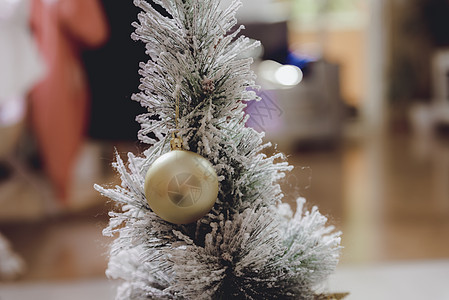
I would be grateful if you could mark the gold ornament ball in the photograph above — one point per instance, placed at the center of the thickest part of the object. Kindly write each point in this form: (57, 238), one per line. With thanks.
(181, 186)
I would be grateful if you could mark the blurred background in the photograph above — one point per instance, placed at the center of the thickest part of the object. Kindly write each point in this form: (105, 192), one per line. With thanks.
(355, 92)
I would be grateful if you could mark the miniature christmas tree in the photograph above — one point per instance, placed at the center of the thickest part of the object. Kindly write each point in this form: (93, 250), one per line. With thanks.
(249, 245)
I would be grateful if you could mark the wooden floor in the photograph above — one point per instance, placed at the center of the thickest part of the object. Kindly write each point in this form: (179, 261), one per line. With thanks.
(389, 196)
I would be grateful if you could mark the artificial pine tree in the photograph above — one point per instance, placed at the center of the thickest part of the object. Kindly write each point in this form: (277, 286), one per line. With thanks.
(195, 86)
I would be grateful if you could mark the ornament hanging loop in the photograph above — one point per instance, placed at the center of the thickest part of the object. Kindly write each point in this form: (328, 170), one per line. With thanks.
(176, 141)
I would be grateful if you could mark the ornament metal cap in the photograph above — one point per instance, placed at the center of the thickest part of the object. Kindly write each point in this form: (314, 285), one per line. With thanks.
(175, 142)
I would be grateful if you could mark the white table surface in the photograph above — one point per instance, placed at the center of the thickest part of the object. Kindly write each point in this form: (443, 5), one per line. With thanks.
(426, 280)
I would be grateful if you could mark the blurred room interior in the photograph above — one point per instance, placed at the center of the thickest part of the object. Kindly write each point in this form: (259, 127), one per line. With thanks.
(355, 92)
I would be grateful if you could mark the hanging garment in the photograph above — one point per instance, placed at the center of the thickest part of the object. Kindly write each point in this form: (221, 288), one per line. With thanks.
(20, 63)
(60, 102)
(20, 68)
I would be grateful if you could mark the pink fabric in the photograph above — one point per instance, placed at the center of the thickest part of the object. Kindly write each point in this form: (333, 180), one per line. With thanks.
(60, 102)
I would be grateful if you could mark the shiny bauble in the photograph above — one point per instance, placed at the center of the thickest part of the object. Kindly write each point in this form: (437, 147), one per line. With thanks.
(181, 186)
